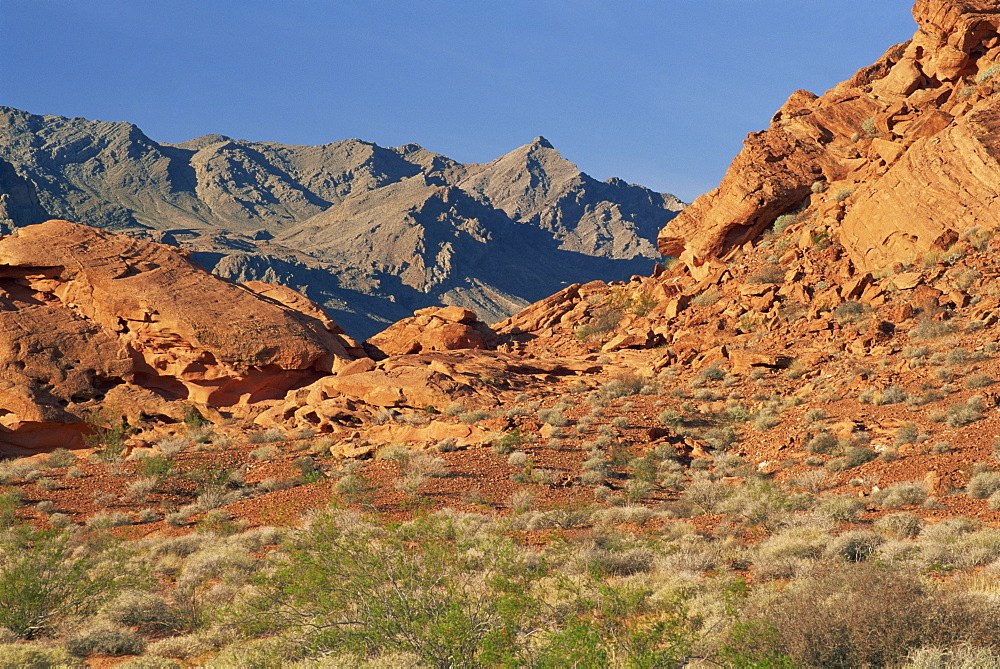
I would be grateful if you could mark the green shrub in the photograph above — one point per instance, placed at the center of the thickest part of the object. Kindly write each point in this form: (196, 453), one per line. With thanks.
(351, 587)
(508, 441)
(824, 442)
(854, 457)
(108, 431)
(43, 581)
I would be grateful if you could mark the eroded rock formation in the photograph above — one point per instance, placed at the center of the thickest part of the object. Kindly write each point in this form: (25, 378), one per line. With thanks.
(901, 159)
(84, 312)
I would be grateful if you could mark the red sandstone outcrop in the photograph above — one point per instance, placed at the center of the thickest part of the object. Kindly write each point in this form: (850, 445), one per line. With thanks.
(899, 160)
(83, 312)
(434, 329)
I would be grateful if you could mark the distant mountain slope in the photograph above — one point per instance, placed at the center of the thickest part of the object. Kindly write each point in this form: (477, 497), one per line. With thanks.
(372, 233)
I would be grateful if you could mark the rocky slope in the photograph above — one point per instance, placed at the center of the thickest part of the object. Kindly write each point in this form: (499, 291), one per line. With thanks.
(897, 161)
(372, 233)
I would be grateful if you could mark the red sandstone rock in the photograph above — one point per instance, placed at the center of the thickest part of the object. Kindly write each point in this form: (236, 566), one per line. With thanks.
(86, 311)
(434, 329)
(908, 147)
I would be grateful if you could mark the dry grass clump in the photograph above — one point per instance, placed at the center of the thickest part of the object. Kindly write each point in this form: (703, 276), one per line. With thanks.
(906, 493)
(268, 436)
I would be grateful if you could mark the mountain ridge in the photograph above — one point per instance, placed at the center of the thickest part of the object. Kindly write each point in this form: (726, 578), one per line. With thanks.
(222, 197)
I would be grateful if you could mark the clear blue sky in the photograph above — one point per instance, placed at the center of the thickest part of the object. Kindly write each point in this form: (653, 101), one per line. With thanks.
(656, 92)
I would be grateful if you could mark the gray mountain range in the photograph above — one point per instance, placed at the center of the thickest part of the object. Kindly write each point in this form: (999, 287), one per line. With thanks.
(371, 233)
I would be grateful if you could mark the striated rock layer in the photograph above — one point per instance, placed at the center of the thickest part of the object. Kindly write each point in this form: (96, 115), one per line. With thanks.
(901, 159)
(88, 317)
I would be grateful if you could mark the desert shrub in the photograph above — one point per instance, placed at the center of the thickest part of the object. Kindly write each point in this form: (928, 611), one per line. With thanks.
(60, 457)
(963, 656)
(814, 415)
(848, 311)
(824, 442)
(264, 453)
(906, 434)
(44, 580)
(141, 488)
(605, 320)
(854, 456)
(33, 656)
(595, 469)
(892, 395)
(963, 413)
(113, 641)
(268, 436)
(707, 297)
(901, 524)
(107, 431)
(783, 221)
(901, 494)
(854, 546)
(346, 586)
(184, 647)
(929, 329)
(769, 273)
(988, 73)
(764, 420)
(508, 441)
(856, 615)
(720, 438)
(979, 381)
(983, 484)
(706, 495)
(170, 447)
(108, 519)
(712, 373)
(427, 465)
(153, 466)
(842, 508)
(553, 417)
(472, 417)
(600, 560)
(449, 445)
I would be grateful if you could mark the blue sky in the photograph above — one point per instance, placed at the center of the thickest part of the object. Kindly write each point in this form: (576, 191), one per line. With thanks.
(657, 93)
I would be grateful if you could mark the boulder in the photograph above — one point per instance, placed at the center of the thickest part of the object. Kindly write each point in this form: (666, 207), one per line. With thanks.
(434, 329)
